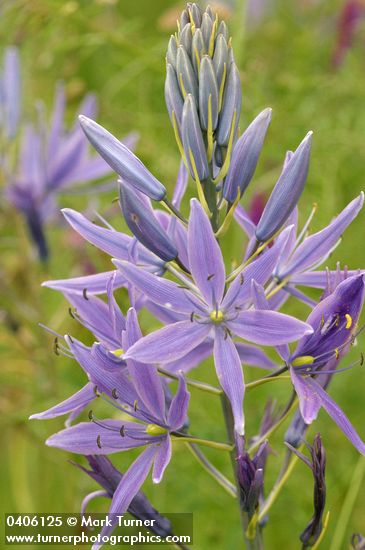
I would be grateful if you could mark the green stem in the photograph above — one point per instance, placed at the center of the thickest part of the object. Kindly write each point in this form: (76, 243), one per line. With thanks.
(212, 470)
(255, 542)
(176, 437)
(348, 505)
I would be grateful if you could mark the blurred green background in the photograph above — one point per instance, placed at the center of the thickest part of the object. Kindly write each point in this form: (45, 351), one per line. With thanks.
(116, 48)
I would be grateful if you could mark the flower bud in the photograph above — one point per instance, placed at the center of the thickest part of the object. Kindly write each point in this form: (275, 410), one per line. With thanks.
(286, 192)
(173, 97)
(250, 475)
(231, 106)
(122, 160)
(208, 92)
(193, 142)
(245, 156)
(142, 222)
(185, 73)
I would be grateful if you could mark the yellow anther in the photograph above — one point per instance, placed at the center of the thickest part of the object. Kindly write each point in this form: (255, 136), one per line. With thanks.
(348, 321)
(216, 316)
(303, 360)
(337, 353)
(118, 352)
(153, 429)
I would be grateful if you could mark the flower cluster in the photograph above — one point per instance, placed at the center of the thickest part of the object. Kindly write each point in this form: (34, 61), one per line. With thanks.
(206, 307)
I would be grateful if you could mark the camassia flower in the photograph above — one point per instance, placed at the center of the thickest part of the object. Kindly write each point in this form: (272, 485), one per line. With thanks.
(298, 262)
(51, 160)
(334, 321)
(10, 94)
(136, 390)
(210, 311)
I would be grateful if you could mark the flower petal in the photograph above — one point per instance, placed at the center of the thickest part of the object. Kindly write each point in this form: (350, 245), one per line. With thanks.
(128, 487)
(83, 438)
(79, 399)
(161, 291)
(179, 406)
(169, 343)
(229, 371)
(162, 459)
(309, 403)
(87, 285)
(205, 256)
(268, 328)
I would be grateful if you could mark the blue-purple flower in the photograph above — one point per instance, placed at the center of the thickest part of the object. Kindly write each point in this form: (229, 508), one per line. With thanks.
(208, 310)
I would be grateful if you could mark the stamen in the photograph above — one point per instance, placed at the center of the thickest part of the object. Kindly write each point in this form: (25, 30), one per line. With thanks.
(114, 393)
(210, 277)
(348, 321)
(98, 441)
(216, 316)
(122, 431)
(84, 293)
(192, 316)
(135, 405)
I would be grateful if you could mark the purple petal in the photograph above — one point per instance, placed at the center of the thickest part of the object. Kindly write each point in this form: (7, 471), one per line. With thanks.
(161, 291)
(205, 256)
(192, 359)
(162, 459)
(179, 406)
(117, 318)
(83, 438)
(145, 377)
(78, 400)
(268, 328)
(309, 402)
(87, 285)
(229, 371)
(128, 487)
(317, 247)
(169, 343)
(337, 415)
(259, 270)
(318, 279)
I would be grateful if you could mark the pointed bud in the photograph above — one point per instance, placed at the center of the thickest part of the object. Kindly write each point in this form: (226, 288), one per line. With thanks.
(232, 100)
(140, 218)
(186, 38)
(171, 53)
(192, 139)
(245, 156)
(122, 160)
(220, 57)
(208, 89)
(196, 13)
(184, 19)
(173, 97)
(222, 29)
(198, 49)
(250, 475)
(206, 28)
(286, 192)
(185, 74)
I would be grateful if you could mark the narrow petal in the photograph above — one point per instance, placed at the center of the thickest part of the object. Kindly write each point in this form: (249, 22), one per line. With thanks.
(161, 291)
(80, 399)
(162, 459)
(229, 371)
(309, 402)
(180, 186)
(268, 328)
(243, 219)
(192, 359)
(337, 415)
(145, 377)
(87, 285)
(128, 487)
(318, 279)
(260, 270)
(318, 246)
(179, 406)
(169, 343)
(83, 438)
(205, 256)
